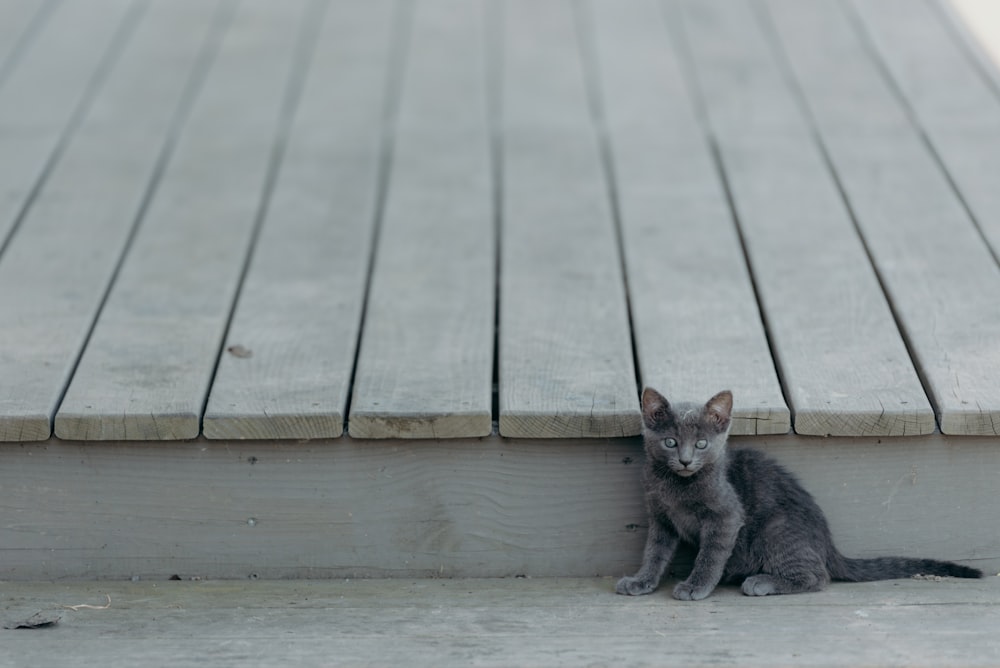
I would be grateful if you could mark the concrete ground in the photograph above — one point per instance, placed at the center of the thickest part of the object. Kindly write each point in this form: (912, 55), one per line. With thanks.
(501, 622)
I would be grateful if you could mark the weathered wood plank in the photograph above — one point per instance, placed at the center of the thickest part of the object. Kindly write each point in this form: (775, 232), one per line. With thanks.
(938, 272)
(146, 369)
(464, 507)
(330, 508)
(565, 363)
(695, 318)
(16, 18)
(956, 108)
(425, 365)
(45, 90)
(497, 623)
(54, 274)
(300, 305)
(845, 367)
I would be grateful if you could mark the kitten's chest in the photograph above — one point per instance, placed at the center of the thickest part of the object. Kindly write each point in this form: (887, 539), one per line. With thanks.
(691, 511)
(684, 516)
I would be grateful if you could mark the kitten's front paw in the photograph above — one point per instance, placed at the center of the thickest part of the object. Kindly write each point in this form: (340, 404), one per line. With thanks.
(632, 586)
(687, 592)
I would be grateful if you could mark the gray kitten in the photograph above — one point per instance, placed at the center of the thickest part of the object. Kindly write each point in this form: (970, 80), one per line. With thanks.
(750, 519)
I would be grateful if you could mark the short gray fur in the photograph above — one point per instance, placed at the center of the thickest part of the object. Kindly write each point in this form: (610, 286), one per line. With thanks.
(56, 269)
(565, 358)
(923, 243)
(146, 369)
(39, 96)
(425, 364)
(751, 522)
(300, 304)
(844, 364)
(695, 318)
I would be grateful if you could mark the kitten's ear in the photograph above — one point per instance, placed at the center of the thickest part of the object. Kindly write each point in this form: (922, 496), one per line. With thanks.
(655, 408)
(719, 409)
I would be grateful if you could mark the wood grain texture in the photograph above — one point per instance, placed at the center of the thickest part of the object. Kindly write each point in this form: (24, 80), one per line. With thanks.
(55, 271)
(695, 318)
(425, 364)
(40, 94)
(465, 507)
(845, 367)
(146, 369)
(338, 508)
(935, 266)
(15, 19)
(507, 622)
(565, 359)
(956, 107)
(300, 304)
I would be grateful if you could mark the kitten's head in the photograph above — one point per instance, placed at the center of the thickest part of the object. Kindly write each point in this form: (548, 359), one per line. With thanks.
(686, 437)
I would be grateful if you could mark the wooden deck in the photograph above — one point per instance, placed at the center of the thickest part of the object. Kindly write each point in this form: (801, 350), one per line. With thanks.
(500, 623)
(489, 222)
(269, 220)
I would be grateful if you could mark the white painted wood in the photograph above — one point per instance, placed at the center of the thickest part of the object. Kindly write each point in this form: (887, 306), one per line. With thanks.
(957, 109)
(425, 363)
(300, 305)
(565, 357)
(146, 369)
(845, 366)
(939, 274)
(344, 508)
(978, 24)
(40, 95)
(695, 317)
(56, 270)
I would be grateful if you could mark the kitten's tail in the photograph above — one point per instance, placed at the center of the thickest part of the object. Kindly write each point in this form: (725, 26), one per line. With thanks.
(888, 568)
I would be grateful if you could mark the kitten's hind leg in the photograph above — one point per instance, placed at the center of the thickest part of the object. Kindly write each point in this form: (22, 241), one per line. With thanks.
(800, 576)
(661, 542)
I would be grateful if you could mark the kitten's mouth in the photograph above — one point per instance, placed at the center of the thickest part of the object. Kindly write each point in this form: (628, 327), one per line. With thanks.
(685, 473)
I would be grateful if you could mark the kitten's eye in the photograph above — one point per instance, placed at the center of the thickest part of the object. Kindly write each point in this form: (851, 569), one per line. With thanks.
(669, 443)
(701, 445)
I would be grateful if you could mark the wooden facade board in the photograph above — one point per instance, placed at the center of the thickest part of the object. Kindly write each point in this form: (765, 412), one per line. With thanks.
(45, 89)
(524, 201)
(290, 349)
(488, 507)
(16, 19)
(425, 365)
(57, 268)
(146, 370)
(923, 243)
(565, 357)
(958, 110)
(846, 369)
(695, 318)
